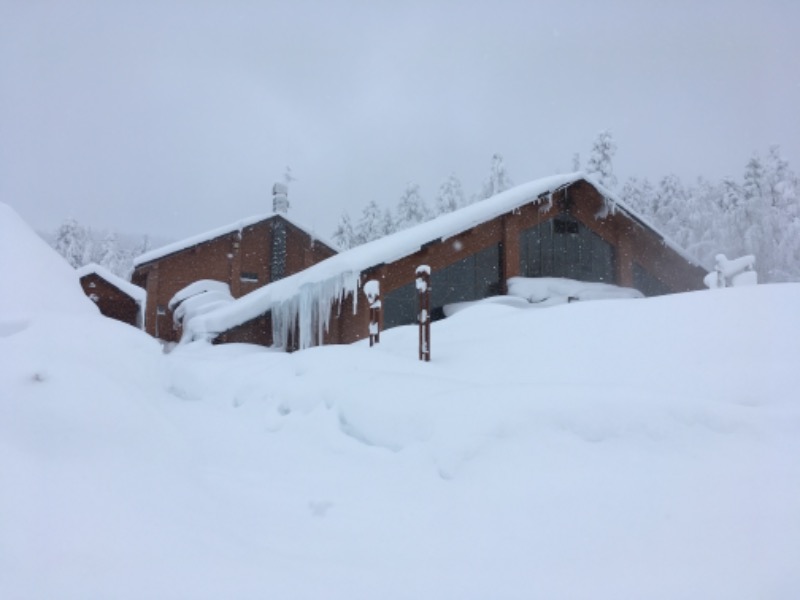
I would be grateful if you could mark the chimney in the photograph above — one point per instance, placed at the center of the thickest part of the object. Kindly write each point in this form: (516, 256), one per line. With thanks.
(280, 200)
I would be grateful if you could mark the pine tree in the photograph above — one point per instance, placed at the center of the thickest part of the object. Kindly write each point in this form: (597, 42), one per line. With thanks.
(670, 203)
(370, 225)
(639, 196)
(411, 209)
(600, 160)
(781, 183)
(344, 235)
(109, 254)
(72, 242)
(704, 212)
(498, 181)
(451, 195)
(388, 222)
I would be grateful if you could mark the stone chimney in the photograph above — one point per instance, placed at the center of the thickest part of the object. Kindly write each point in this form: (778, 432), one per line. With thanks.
(280, 199)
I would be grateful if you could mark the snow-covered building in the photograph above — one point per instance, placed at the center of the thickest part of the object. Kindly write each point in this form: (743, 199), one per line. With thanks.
(562, 226)
(116, 298)
(245, 255)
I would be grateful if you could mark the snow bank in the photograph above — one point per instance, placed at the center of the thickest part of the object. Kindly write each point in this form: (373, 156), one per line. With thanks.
(735, 272)
(540, 292)
(645, 445)
(32, 270)
(546, 291)
(544, 435)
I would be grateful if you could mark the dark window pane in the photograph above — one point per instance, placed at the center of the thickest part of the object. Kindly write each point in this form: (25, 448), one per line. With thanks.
(472, 278)
(400, 306)
(278, 262)
(564, 247)
(646, 283)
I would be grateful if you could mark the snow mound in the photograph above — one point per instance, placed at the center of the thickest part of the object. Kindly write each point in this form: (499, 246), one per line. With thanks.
(37, 278)
(650, 445)
(547, 291)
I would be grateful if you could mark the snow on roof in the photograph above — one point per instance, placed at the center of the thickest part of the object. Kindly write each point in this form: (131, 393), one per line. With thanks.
(219, 232)
(134, 291)
(307, 295)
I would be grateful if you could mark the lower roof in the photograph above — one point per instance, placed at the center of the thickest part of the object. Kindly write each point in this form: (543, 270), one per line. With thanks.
(134, 291)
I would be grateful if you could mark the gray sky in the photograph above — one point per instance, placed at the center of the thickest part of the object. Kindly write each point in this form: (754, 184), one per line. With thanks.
(174, 117)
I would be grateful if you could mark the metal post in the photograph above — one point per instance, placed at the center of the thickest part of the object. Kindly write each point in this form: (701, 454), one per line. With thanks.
(423, 274)
(372, 289)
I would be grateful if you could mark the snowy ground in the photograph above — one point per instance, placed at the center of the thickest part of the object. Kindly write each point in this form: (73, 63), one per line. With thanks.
(611, 449)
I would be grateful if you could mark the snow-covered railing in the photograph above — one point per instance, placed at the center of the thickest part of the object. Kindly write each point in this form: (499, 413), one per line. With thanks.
(732, 273)
(196, 299)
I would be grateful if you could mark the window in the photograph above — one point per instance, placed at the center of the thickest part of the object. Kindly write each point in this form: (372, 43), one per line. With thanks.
(646, 283)
(278, 259)
(247, 276)
(471, 278)
(565, 247)
(564, 226)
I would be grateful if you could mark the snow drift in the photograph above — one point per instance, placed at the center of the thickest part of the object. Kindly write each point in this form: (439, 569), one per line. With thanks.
(614, 449)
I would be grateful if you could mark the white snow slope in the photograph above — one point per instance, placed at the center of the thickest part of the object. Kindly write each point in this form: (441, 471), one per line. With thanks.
(615, 449)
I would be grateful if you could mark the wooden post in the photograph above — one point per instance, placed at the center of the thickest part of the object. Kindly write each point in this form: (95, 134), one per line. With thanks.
(372, 289)
(424, 316)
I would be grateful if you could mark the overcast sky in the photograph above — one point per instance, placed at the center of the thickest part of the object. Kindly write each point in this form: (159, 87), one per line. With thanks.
(174, 117)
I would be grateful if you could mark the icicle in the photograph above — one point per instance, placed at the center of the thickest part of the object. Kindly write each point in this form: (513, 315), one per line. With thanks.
(547, 204)
(310, 309)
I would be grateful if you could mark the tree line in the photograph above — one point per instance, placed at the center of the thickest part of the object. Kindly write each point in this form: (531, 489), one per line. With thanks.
(758, 214)
(81, 245)
(412, 209)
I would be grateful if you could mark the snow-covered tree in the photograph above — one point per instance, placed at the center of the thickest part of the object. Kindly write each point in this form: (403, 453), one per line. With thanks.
(387, 222)
(108, 254)
(639, 195)
(498, 180)
(73, 243)
(344, 236)
(704, 210)
(370, 225)
(781, 183)
(451, 195)
(411, 209)
(144, 245)
(781, 186)
(600, 160)
(671, 204)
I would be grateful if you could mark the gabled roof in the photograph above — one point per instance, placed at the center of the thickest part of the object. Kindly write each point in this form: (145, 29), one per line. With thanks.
(319, 284)
(213, 234)
(134, 291)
